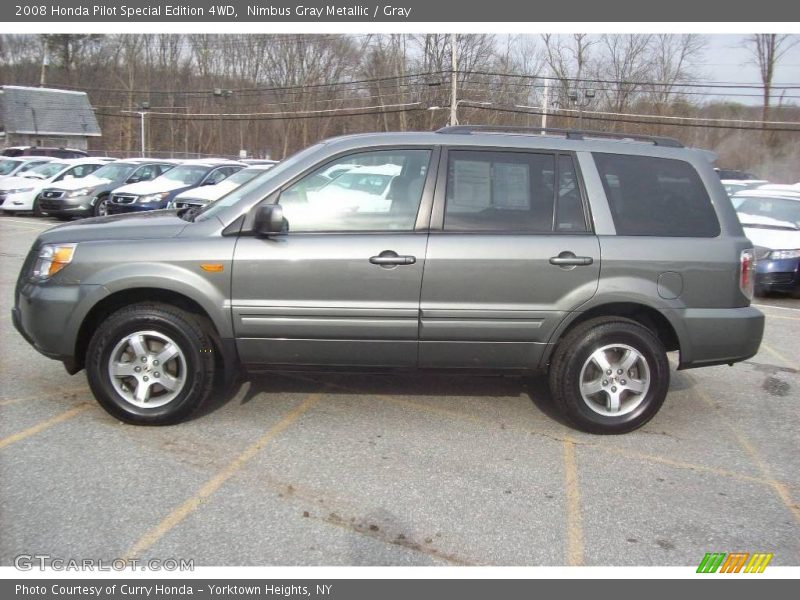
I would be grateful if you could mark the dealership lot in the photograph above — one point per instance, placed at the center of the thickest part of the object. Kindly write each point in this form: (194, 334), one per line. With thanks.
(402, 469)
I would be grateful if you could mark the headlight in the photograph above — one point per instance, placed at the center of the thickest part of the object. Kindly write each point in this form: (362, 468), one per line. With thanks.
(52, 258)
(781, 254)
(153, 197)
(81, 192)
(19, 190)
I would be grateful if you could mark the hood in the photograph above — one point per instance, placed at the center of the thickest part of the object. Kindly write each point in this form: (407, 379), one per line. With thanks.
(133, 226)
(153, 186)
(89, 181)
(208, 192)
(14, 182)
(773, 239)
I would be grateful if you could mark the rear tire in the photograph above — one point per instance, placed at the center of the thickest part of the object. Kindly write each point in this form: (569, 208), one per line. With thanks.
(151, 364)
(37, 210)
(609, 375)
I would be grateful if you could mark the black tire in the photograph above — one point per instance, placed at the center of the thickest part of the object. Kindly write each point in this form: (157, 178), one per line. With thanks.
(37, 210)
(100, 208)
(189, 333)
(574, 351)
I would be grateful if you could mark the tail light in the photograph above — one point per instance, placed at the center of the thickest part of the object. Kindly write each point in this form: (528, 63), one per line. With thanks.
(747, 272)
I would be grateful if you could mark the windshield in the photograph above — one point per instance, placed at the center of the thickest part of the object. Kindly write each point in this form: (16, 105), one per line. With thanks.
(243, 176)
(254, 184)
(8, 165)
(114, 171)
(46, 170)
(186, 174)
(782, 211)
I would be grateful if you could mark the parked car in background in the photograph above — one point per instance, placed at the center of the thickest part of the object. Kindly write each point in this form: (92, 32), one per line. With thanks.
(157, 193)
(252, 162)
(359, 188)
(200, 196)
(772, 222)
(20, 193)
(89, 196)
(737, 185)
(17, 166)
(580, 255)
(44, 151)
(735, 174)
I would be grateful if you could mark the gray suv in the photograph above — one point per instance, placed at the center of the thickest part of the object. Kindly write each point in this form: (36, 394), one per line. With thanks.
(470, 248)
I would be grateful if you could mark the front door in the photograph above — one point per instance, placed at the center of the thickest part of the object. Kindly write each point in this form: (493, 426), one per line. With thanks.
(341, 287)
(510, 253)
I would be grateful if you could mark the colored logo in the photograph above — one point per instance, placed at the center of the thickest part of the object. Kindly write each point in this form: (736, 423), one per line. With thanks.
(734, 562)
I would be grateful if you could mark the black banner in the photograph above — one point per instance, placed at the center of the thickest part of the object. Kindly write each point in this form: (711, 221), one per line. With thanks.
(314, 11)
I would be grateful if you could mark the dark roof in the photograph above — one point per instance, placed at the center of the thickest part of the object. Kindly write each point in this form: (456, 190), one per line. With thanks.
(46, 111)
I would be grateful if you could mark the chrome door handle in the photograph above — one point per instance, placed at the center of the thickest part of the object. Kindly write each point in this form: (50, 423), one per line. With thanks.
(390, 258)
(568, 259)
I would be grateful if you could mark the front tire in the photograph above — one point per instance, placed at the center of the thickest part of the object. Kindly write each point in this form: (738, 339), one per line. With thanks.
(100, 208)
(609, 375)
(151, 364)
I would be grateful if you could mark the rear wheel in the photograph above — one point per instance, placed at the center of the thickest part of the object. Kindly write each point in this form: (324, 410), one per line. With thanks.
(151, 364)
(609, 375)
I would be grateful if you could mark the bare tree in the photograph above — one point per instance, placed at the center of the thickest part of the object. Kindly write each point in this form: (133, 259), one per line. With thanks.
(767, 50)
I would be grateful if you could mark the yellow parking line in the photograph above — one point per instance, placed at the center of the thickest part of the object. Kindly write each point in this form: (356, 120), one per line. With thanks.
(780, 488)
(213, 484)
(778, 355)
(447, 412)
(41, 426)
(574, 520)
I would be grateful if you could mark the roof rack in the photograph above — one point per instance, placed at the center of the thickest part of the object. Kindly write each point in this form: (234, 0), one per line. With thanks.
(570, 134)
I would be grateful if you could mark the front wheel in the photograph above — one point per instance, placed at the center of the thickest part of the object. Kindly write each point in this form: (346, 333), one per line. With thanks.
(609, 375)
(101, 207)
(151, 364)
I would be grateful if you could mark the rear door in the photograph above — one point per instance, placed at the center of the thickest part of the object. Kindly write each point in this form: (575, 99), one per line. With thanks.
(342, 285)
(510, 253)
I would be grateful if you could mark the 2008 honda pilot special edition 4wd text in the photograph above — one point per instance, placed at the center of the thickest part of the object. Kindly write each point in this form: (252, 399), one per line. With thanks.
(586, 255)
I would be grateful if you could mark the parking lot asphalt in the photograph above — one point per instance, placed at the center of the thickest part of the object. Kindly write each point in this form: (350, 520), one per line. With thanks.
(418, 469)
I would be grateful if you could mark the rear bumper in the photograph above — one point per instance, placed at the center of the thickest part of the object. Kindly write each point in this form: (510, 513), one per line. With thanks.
(715, 336)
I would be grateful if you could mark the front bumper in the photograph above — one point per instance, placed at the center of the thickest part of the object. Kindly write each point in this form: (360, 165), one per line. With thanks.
(48, 316)
(778, 275)
(116, 209)
(18, 202)
(67, 206)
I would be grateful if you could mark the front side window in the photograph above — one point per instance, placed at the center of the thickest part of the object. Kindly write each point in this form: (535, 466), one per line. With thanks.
(501, 191)
(656, 196)
(368, 191)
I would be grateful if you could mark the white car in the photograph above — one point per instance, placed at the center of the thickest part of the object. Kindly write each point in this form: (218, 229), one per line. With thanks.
(737, 185)
(17, 165)
(19, 193)
(359, 189)
(201, 196)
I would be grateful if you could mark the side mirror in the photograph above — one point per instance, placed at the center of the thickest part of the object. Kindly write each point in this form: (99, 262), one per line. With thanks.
(134, 179)
(269, 220)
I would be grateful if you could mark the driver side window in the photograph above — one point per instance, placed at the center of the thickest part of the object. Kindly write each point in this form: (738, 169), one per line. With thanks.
(369, 191)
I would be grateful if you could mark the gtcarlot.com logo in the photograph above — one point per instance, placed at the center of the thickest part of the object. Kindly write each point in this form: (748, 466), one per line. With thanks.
(734, 562)
(28, 562)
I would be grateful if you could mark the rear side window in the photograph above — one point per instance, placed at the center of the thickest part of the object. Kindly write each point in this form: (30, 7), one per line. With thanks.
(656, 196)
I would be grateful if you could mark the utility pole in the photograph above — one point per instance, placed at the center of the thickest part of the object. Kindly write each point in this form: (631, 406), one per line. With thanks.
(545, 104)
(45, 64)
(454, 81)
(142, 112)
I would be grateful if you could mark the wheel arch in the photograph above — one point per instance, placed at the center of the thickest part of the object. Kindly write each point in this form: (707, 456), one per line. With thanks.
(124, 297)
(647, 316)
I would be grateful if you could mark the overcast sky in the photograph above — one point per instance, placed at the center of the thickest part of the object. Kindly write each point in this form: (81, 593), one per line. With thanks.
(728, 59)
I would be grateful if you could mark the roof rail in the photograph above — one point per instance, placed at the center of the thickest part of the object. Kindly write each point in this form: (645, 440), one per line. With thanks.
(570, 134)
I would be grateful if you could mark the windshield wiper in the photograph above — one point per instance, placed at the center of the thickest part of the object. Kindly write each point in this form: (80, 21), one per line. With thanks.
(766, 226)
